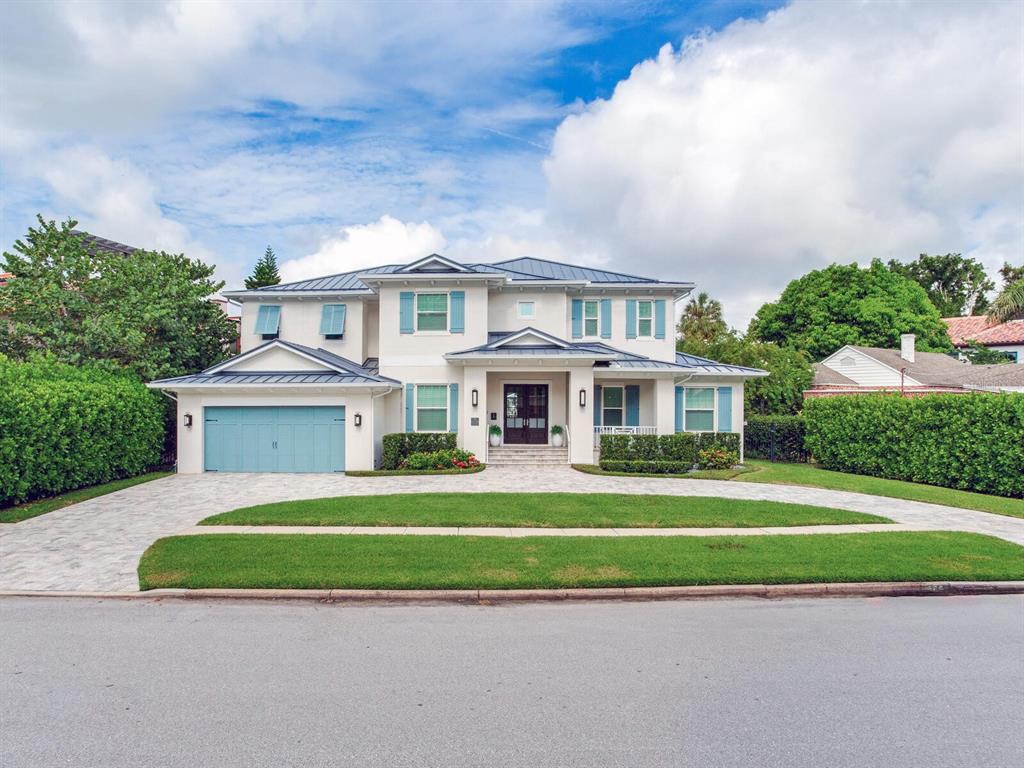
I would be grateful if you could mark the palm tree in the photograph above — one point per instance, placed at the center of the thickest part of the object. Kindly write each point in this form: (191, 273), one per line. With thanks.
(702, 319)
(1009, 305)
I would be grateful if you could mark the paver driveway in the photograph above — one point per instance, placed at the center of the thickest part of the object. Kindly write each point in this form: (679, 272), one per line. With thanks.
(96, 545)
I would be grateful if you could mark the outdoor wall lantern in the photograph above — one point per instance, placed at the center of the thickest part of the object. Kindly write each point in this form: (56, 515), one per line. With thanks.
(358, 419)
(583, 398)
(188, 419)
(475, 398)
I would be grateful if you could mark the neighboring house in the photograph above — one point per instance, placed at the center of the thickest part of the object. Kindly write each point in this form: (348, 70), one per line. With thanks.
(4, 278)
(331, 365)
(1007, 338)
(857, 370)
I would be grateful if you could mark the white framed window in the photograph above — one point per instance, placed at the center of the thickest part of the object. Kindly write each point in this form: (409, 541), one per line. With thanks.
(699, 409)
(527, 310)
(432, 312)
(645, 319)
(431, 407)
(612, 406)
(591, 318)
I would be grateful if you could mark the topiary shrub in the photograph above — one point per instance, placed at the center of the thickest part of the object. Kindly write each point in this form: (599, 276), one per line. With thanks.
(399, 445)
(972, 442)
(776, 438)
(64, 427)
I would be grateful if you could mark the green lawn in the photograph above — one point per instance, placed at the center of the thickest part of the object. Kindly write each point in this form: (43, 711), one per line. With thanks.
(805, 474)
(539, 510)
(42, 506)
(437, 562)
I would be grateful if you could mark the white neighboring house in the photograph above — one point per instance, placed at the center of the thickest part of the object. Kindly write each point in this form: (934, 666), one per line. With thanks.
(328, 366)
(857, 370)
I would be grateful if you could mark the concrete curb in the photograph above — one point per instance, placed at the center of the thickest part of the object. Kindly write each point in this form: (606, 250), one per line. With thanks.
(495, 596)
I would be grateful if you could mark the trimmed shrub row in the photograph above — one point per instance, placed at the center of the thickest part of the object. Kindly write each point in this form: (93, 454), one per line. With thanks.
(396, 447)
(776, 438)
(648, 467)
(678, 449)
(970, 442)
(65, 427)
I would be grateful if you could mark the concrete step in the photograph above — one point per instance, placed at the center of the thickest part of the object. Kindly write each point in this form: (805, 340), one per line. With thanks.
(527, 455)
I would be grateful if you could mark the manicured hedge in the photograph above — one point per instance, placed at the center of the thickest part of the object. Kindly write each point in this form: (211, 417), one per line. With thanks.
(648, 467)
(64, 427)
(649, 450)
(971, 442)
(776, 438)
(401, 444)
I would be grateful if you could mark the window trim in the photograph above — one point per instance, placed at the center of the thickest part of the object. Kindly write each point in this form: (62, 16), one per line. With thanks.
(596, 318)
(519, 309)
(713, 409)
(447, 313)
(416, 408)
(640, 318)
(622, 408)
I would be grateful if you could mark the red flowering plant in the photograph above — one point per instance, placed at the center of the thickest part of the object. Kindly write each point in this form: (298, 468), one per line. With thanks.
(454, 458)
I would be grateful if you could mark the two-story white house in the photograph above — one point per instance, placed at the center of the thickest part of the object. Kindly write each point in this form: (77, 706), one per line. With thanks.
(329, 366)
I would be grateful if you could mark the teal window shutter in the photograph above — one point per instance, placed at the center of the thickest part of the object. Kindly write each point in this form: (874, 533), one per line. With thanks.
(606, 318)
(597, 405)
(458, 309)
(630, 318)
(679, 409)
(410, 394)
(659, 319)
(725, 409)
(632, 405)
(332, 320)
(453, 407)
(405, 299)
(577, 318)
(268, 320)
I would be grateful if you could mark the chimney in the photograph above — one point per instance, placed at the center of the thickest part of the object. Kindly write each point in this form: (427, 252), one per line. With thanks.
(907, 347)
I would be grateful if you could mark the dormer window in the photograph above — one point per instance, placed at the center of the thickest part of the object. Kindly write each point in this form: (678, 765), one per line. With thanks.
(431, 311)
(268, 321)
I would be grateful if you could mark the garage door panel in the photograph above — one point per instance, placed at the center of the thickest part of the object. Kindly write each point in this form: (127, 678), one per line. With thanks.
(275, 439)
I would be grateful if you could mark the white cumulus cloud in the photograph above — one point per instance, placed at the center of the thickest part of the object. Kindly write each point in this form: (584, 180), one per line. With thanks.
(826, 132)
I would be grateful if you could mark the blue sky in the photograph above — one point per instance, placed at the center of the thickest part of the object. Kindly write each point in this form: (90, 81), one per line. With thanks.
(766, 139)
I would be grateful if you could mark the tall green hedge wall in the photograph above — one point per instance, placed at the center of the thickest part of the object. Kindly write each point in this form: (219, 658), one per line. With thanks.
(64, 427)
(972, 442)
(398, 445)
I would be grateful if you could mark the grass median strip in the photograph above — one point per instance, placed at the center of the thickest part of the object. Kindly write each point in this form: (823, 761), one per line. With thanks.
(454, 562)
(540, 510)
(41, 506)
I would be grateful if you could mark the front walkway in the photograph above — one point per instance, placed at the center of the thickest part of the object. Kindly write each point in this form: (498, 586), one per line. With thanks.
(96, 545)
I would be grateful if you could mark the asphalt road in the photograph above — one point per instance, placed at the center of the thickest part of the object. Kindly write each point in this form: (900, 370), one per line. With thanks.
(819, 683)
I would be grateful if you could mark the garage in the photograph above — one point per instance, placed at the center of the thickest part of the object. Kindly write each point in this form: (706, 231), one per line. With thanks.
(274, 439)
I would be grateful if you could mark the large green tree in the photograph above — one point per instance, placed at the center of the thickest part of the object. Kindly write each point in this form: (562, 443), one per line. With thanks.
(702, 320)
(845, 304)
(1010, 273)
(956, 285)
(149, 313)
(1009, 304)
(265, 272)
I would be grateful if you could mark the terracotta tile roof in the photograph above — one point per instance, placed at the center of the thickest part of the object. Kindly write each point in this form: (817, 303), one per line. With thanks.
(978, 329)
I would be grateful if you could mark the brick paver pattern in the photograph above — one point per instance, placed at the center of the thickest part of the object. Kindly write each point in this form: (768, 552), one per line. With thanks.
(96, 545)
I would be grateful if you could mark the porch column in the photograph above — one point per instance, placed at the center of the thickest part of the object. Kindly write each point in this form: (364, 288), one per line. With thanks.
(474, 436)
(581, 418)
(665, 406)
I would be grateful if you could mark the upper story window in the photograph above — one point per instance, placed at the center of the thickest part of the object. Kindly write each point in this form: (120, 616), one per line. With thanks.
(332, 321)
(268, 321)
(591, 318)
(645, 319)
(431, 311)
(527, 310)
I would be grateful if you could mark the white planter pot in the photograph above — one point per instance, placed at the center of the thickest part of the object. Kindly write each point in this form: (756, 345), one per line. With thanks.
(495, 440)
(557, 440)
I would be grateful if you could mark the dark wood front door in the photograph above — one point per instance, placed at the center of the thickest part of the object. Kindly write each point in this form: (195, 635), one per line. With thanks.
(526, 414)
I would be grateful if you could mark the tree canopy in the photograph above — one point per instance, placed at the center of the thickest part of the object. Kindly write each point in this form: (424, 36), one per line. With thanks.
(702, 320)
(1009, 304)
(1011, 274)
(845, 304)
(265, 272)
(149, 313)
(954, 284)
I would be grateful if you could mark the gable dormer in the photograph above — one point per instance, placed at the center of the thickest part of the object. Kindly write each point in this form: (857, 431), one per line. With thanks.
(435, 263)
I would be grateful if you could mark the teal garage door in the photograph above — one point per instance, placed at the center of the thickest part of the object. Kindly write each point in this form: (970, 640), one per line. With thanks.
(279, 439)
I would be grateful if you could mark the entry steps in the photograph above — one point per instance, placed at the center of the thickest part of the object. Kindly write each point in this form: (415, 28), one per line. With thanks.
(526, 455)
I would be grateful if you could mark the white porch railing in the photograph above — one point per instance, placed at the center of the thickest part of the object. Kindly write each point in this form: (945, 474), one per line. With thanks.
(598, 431)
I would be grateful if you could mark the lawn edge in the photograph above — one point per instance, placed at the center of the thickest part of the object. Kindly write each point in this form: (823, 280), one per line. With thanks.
(157, 474)
(495, 596)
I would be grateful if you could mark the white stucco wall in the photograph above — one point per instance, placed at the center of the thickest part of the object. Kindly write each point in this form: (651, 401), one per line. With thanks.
(551, 311)
(300, 323)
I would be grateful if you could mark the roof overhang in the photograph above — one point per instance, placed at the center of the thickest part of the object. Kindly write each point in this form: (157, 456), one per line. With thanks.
(171, 386)
(241, 296)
